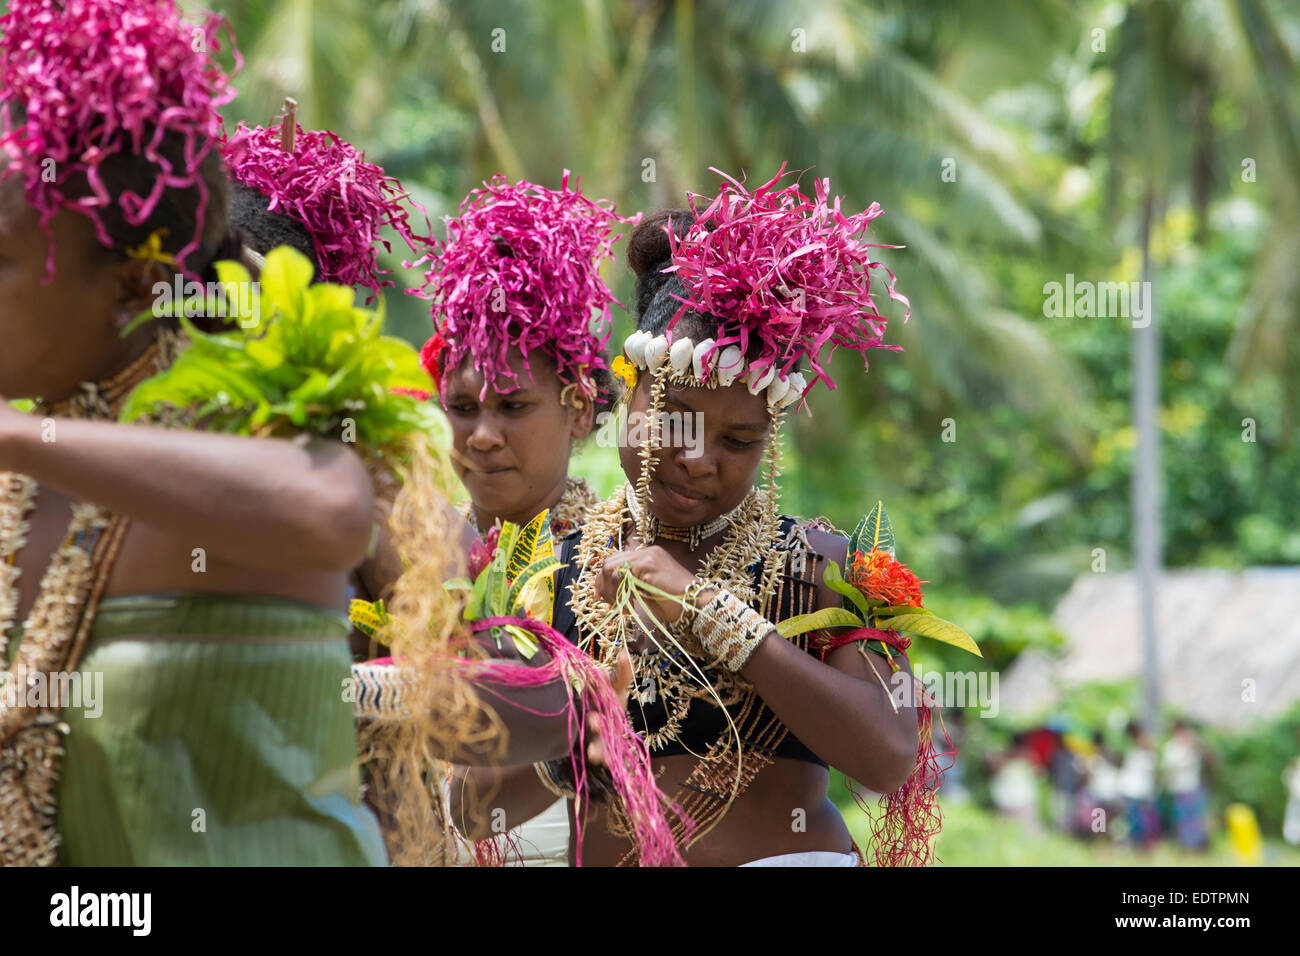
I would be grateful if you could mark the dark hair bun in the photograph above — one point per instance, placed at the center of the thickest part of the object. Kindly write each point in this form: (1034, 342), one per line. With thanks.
(264, 230)
(648, 252)
(649, 247)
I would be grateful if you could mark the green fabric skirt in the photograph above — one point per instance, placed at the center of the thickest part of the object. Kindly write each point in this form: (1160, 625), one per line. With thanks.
(226, 738)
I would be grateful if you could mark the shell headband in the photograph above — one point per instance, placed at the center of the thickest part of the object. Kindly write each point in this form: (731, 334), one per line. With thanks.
(703, 364)
(521, 267)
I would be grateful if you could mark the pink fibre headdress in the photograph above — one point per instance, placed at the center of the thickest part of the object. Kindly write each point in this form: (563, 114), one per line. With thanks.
(91, 79)
(327, 185)
(789, 270)
(521, 267)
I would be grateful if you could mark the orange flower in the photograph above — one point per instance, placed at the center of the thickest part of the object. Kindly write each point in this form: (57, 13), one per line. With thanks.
(881, 578)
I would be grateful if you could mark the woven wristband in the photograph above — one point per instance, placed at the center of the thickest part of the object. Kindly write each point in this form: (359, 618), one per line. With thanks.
(729, 630)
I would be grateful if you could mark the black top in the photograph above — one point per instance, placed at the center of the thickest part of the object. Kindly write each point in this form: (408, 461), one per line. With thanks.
(704, 722)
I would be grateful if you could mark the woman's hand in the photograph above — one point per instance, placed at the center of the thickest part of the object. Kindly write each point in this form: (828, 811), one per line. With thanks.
(655, 567)
(621, 682)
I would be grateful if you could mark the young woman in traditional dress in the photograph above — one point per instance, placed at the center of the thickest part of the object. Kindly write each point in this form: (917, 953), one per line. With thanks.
(522, 375)
(742, 723)
(316, 193)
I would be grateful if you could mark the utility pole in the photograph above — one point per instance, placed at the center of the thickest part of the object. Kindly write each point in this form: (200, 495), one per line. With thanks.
(1146, 479)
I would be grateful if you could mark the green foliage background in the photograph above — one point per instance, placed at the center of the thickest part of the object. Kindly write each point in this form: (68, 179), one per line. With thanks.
(1052, 142)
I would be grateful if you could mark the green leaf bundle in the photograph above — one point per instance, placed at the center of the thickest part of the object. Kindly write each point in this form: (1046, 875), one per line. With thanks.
(299, 358)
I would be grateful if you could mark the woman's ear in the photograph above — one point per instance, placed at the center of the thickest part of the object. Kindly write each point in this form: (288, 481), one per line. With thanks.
(582, 416)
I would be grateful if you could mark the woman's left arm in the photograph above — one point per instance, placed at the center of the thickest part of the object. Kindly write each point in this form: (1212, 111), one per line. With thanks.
(840, 709)
(267, 504)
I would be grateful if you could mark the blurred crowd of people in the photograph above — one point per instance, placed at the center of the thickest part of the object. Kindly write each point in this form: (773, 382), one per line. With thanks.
(1140, 793)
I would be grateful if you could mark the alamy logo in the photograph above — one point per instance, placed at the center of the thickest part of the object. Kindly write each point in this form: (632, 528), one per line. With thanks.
(1087, 300)
(75, 908)
(209, 299)
(78, 690)
(947, 689)
(676, 430)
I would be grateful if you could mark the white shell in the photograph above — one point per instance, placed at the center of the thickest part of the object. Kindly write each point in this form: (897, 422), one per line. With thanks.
(634, 346)
(776, 391)
(730, 364)
(797, 385)
(655, 352)
(757, 383)
(679, 356)
(697, 358)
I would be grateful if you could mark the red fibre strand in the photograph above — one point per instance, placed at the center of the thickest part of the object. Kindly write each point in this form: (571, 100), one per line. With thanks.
(904, 833)
(825, 645)
(626, 754)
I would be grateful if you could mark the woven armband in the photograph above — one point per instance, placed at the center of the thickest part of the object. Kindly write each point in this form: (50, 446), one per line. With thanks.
(729, 630)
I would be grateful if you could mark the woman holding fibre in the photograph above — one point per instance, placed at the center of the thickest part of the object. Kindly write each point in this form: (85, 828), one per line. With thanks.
(521, 373)
(693, 568)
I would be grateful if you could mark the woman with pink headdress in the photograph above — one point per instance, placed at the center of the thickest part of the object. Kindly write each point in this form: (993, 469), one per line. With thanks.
(747, 687)
(522, 373)
(315, 192)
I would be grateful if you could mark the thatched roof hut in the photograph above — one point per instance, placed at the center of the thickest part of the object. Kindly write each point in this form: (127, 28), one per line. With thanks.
(1228, 643)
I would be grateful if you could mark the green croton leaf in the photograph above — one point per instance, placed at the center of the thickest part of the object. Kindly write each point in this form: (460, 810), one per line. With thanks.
(817, 620)
(935, 628)
(873, 533)
(853, 598)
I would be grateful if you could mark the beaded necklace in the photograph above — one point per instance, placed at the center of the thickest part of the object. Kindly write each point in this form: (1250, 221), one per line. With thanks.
(56, 629)
(566, 516)
(658, 671)
(694, 535)
(737, 757)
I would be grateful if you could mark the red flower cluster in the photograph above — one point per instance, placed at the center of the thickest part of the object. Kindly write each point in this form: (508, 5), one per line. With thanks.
(419, 394)
(430, 358)
(881, 578)
(481, 552)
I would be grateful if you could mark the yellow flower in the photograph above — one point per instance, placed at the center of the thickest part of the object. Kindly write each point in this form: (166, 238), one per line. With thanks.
(626, 371)
(151, 249)
(537, 599)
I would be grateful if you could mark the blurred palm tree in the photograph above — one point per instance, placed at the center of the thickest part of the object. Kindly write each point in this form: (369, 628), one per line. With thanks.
(1267, 342)
(953, 116)
(876, 95)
